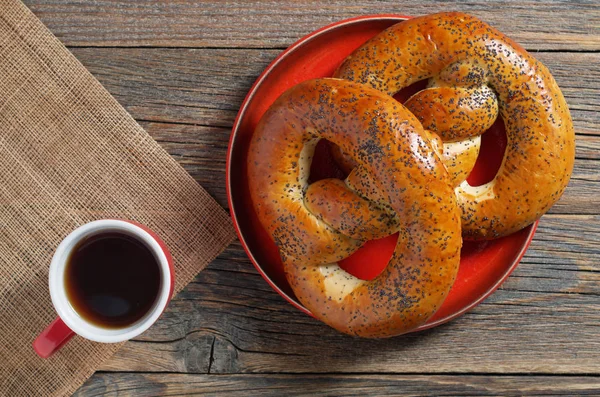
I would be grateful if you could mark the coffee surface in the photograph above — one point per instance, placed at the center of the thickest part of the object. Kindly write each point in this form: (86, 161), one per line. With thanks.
(112, 279)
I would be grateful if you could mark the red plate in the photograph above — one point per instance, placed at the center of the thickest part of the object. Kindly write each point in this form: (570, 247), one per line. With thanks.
(483, 266)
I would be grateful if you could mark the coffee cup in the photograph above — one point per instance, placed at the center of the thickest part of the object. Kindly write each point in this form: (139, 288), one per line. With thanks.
(109, 281)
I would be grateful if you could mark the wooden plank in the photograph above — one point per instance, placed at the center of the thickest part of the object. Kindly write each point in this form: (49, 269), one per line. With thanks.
(186, 23)
(543, 320)
(581, 196)
(202, 151)
(337, 385)
(207, 86)
(204, 88)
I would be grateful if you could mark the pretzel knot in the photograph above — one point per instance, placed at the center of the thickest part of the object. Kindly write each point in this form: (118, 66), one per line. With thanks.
(399, 184)
(476, 74)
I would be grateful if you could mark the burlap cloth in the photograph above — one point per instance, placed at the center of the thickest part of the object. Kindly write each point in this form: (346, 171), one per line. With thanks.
(70, 154)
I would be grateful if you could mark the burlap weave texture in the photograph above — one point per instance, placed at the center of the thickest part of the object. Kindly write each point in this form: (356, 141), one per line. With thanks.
(70, 154)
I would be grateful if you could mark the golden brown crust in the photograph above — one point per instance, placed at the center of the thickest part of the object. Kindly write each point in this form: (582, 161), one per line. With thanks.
(458, 50)
(335, 202)
(404, 171)
(459, 157)
(455, 113)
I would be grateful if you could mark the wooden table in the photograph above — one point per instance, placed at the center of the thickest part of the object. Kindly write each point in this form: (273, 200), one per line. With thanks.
(182, 69)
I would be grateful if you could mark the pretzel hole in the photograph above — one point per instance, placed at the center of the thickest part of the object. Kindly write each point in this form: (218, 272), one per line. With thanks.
(491, 154)
(405, 93)
(323, 165)
(370, 260)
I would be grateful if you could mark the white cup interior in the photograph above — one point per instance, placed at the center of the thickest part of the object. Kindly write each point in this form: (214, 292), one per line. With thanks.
(59, 295)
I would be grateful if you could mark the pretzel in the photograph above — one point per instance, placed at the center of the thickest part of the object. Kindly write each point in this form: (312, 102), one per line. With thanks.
(399, 184)
(476, 73)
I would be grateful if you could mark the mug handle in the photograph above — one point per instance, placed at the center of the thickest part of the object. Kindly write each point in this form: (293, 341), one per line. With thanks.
(52, 338)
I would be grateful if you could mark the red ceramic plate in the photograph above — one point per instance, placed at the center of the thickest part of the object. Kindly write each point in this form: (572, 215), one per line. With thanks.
(484, 265)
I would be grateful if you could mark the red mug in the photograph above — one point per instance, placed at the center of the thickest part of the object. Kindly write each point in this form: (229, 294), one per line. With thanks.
(69, 322)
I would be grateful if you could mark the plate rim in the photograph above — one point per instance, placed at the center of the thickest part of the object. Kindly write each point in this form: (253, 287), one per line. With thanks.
(228, 172)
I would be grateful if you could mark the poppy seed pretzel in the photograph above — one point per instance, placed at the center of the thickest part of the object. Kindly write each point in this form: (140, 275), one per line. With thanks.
(476, 73)
(399, 184)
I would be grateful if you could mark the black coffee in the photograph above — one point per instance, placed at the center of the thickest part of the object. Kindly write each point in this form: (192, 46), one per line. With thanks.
(112, 279)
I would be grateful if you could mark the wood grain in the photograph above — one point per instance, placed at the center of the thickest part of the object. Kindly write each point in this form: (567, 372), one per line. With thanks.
(543, 320)
(266, 24)
(339, 385)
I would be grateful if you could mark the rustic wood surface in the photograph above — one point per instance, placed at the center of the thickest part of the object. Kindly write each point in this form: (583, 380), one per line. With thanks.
(182, 69)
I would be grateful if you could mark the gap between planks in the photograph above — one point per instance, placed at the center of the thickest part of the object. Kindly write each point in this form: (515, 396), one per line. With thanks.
(365, 374)
(280, 48)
